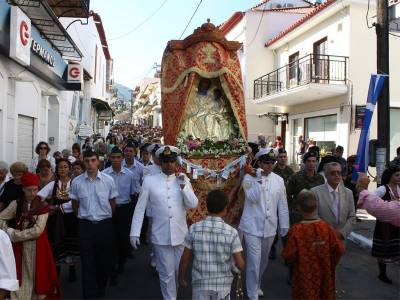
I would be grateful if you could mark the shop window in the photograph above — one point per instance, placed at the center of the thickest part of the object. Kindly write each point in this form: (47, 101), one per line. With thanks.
(322, 130)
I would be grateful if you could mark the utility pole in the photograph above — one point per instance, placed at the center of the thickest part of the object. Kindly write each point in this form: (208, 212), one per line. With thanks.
(382, 51)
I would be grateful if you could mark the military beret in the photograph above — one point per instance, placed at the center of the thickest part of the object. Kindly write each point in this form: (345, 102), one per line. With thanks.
(308, 155)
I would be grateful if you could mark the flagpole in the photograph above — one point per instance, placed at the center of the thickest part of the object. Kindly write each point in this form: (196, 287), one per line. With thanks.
(382, 39)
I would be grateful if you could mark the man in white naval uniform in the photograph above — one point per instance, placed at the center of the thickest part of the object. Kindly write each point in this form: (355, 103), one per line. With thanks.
(265, 204)
(168, 197)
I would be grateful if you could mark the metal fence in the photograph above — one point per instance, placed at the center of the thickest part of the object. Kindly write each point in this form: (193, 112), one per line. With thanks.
(312, 68)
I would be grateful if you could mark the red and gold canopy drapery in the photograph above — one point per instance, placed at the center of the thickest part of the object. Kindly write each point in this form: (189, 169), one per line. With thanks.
(206, 53)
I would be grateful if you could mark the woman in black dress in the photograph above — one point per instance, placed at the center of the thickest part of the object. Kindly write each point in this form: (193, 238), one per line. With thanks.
(386, 245)
(62, 226)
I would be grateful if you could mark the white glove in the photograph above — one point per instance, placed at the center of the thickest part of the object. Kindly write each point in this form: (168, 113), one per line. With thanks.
(283, 231)
(135, 242)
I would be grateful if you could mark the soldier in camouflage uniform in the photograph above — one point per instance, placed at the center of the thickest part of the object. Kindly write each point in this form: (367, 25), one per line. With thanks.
(281, 168)
(304, 179)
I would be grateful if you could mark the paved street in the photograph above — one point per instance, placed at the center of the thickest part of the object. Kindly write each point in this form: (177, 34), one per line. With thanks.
(357, 277)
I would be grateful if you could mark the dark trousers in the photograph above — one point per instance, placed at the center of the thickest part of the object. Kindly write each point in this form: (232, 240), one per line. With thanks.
(122, 220)
(96, 247)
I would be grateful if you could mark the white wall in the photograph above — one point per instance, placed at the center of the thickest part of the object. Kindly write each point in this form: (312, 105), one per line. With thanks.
(23, 93)
(256, 61)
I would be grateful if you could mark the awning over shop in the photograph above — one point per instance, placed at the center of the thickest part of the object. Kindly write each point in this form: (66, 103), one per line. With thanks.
(101, 104)
(43, 18)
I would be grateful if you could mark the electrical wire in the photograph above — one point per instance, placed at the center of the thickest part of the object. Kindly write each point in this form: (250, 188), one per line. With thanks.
(140, 24)
(367, 16)
(394, 34)
(191, 18)
(258, 28)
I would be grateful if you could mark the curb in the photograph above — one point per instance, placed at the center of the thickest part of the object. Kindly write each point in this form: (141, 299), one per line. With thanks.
(360, 240)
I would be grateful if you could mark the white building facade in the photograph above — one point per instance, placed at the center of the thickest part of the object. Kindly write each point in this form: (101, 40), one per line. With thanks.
(250, 28)
(320, 79)
(35, 93)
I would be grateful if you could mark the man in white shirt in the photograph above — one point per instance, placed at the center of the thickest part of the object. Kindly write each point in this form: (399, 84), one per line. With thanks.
(168, 197)
(8, 273)
(128, 190)
(265, 204)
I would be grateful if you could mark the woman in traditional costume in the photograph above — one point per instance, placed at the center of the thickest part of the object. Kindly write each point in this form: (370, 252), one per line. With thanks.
(386, 242)
(36, 270)
(62, 225)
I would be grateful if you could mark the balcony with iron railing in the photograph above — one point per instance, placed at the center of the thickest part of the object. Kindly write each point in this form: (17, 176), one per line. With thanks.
(306, 79)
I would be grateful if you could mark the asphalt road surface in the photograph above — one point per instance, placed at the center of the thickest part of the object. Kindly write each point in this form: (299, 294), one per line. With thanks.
(357, 277)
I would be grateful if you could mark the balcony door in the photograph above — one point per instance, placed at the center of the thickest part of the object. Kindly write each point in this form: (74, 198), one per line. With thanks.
(293, 70)
(321, 62)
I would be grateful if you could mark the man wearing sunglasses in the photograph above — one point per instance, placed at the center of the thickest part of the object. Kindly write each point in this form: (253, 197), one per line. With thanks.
(335, 201)
(265, 204)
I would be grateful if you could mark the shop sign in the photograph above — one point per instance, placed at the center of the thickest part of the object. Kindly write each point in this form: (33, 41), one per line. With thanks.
(20, 36)
(75, 72)
(359, 117)
(105, 115)
(42, 53)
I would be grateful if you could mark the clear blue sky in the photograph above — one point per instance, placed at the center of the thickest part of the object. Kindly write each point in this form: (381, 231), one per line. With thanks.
(135, 54)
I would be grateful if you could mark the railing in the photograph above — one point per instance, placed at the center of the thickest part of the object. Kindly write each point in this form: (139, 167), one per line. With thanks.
(312, 68)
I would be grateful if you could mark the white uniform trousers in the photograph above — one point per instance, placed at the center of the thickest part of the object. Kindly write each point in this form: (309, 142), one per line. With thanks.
(257, 252)
(167, 264)
(209, 295)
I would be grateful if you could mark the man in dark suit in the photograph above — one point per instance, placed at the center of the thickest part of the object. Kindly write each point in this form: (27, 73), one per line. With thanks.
(335, 201)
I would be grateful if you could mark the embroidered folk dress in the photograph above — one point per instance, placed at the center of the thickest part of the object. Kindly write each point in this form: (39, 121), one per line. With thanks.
(314, 249)
(35, 266)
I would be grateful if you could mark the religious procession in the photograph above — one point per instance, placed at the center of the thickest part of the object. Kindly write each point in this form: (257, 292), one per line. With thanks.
(205, 181)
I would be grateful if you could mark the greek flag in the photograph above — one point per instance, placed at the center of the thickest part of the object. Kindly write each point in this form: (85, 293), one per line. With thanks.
(375, 89)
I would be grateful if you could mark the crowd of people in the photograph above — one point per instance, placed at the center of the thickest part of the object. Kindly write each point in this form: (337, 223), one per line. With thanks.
(105, 198)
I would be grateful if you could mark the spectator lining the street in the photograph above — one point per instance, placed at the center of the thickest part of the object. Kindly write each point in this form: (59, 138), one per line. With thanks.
(214, 247)
(12, 188)
(78, 167)
(45, 174)
(314, 251)
(42, 151)
(76, 151)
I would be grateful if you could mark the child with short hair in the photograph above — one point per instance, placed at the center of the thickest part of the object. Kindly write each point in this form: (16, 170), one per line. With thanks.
(214, 246)
(314, 250)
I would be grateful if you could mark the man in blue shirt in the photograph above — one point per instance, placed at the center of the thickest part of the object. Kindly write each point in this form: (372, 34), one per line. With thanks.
(93, 196)
(128, 191)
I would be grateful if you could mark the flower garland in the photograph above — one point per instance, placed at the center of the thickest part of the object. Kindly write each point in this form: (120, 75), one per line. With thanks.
(190, 147)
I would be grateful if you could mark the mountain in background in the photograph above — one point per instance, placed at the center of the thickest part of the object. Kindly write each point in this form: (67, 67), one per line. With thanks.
(123, 92)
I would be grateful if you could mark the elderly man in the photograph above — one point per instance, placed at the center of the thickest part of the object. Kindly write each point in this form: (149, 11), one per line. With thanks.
(168, 197)
(335, 201)
(265, 203)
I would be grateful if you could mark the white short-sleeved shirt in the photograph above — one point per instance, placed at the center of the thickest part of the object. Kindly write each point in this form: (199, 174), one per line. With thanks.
(8, 273)
(94, 196)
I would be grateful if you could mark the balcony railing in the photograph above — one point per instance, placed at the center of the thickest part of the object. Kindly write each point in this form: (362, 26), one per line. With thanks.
(312, 68)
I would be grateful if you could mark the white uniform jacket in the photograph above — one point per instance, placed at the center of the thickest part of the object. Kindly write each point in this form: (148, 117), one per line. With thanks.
(264, 203)
(168, 204)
